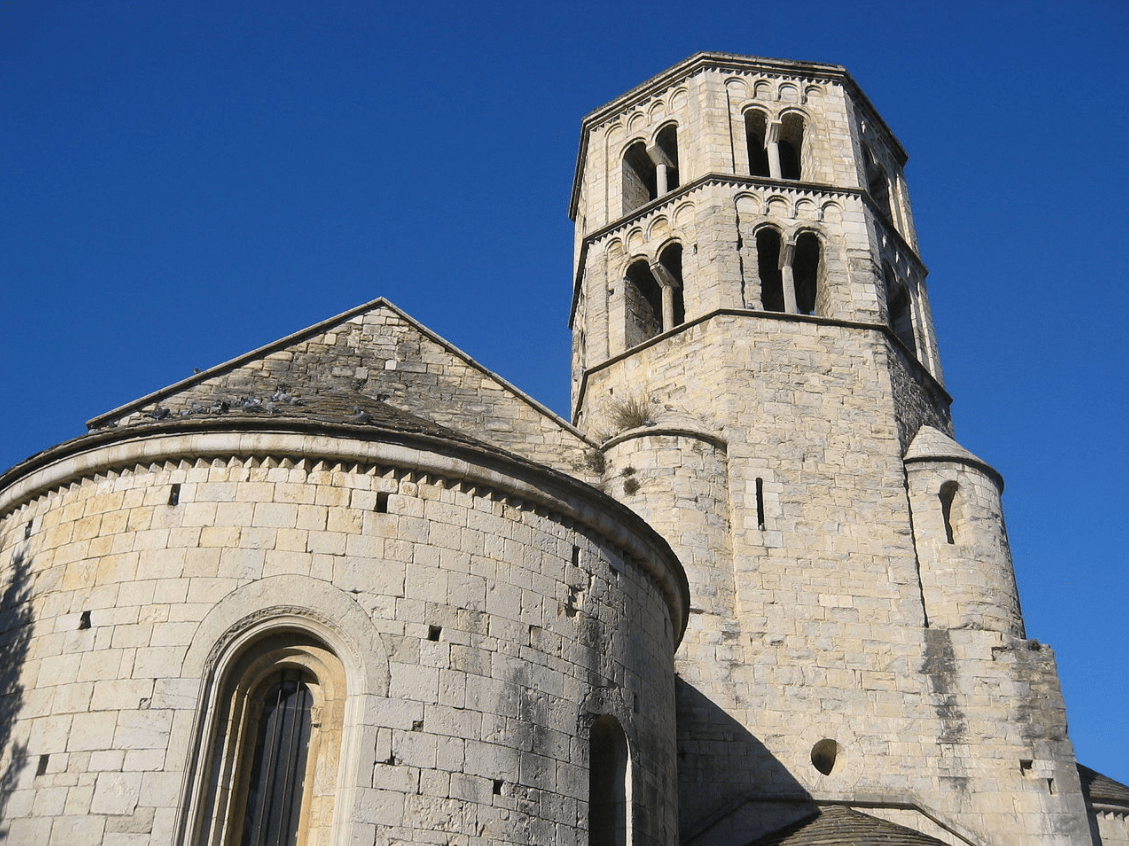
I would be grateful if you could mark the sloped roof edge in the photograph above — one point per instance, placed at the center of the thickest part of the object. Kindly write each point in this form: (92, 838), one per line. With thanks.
(840, 825)
(323, 326)
(1102, 790)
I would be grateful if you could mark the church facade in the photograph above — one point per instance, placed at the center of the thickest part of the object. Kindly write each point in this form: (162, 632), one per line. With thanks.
(354, 588)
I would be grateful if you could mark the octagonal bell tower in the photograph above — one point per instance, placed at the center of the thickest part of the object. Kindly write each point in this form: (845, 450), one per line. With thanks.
(754, 350)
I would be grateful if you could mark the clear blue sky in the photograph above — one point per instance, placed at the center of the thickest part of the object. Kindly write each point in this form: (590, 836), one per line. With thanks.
(185, 181)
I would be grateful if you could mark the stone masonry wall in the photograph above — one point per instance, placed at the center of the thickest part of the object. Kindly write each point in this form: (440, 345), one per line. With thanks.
(481, 635)
(832, 642)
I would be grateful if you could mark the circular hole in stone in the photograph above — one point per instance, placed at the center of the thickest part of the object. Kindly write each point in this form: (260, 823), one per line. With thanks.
(824, 755)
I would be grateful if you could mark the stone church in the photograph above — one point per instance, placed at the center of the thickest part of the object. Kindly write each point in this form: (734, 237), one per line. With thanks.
(354, 588)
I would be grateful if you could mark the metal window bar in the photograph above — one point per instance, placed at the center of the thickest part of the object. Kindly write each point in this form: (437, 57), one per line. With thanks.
(278, 769)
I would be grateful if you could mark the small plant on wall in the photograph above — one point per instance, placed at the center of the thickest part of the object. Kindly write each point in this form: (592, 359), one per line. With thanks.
(629, 413)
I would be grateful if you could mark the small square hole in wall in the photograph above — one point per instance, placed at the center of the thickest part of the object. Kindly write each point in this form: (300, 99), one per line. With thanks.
(1025, 767)
(498, 786)
(433, 632)
(84, 620)
(381, 506)
(417, 725)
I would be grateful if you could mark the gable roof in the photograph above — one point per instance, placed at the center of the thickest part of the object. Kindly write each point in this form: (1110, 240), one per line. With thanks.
(365, 364)
(1103, 790)
(837, 825)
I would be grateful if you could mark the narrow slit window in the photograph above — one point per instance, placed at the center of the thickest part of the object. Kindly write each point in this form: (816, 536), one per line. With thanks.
(174, 495)
(760, 504)
(381, 506)
(948, 496)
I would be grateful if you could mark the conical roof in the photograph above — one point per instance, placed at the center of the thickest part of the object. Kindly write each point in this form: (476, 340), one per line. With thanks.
(837, 825)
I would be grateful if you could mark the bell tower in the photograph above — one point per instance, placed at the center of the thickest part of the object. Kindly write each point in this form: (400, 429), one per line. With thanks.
(754, 350)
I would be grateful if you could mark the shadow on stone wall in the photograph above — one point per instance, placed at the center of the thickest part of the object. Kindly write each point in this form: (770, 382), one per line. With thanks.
(15, 634)
(725, 776)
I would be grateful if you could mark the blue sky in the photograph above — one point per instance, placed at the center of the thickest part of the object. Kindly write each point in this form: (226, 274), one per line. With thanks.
(185, 181)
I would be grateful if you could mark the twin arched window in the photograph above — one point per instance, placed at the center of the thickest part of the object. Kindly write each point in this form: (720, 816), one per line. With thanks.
(653, 296)
(650, 172)
(789, 273)
(775, 149)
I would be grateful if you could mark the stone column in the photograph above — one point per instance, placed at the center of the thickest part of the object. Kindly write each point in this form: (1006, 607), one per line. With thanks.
(771, 144)
(787, 280)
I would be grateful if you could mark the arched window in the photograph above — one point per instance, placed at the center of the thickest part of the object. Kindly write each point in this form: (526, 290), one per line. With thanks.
(670, 267)
(666, 159)
(877, 185)
(639, 185)
(768, 266)
(275, 745)
(756, 132)
(805, 272)
(899, 307)
(608, 784)
(643, 303)
(791, 145)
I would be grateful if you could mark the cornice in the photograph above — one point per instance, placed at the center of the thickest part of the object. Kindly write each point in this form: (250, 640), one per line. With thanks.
(879, 328)
(683, 191)
(472, 465)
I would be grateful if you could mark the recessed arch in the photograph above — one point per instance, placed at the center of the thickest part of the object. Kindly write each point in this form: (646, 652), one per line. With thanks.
(899, 308)
(272, 762)
(877, 183)
(235, 644)
(638, 177)
(791, 144)
(666, 157)
(756, 140)
(769, 242)
(806, 267)
(642, 303)
(609, 784)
